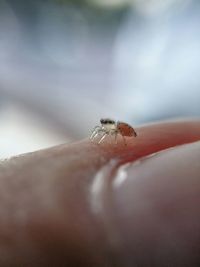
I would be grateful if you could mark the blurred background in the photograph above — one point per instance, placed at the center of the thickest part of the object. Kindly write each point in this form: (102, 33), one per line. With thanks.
(64, 64)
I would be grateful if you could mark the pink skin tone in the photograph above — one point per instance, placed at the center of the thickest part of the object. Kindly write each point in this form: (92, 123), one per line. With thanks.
(89, 205)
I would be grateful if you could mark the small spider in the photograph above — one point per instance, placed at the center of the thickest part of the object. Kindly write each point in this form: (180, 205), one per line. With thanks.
(110, 127)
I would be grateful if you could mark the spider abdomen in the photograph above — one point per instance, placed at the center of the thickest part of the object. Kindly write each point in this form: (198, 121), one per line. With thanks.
(125, 129)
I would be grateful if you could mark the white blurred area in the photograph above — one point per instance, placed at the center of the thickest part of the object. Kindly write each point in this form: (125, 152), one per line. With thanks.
(23, 132)
(63, 66)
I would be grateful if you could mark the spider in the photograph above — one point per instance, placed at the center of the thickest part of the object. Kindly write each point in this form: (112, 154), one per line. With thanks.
(110, 127)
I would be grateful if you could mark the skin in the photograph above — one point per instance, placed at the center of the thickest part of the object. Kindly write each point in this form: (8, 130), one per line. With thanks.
(84, 204)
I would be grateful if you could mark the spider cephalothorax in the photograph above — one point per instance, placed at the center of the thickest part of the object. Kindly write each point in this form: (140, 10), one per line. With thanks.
(110, 127)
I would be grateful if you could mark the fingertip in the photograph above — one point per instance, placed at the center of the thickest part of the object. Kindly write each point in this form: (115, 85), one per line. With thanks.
(154, 208)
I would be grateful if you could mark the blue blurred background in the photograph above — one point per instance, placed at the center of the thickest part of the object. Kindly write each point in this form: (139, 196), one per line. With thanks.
(65, 64)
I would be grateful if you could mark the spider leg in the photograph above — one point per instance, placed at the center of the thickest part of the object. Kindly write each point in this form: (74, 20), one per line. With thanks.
(102, 138)
(95, 132)
(116, 138)
(124, 139)
(113, 132)
(92, 136)
(97, 127)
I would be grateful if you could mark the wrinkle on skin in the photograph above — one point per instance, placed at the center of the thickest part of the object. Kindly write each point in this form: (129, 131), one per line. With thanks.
(46, 214)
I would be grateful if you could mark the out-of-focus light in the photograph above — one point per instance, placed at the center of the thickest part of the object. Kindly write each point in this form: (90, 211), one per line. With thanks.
(22, 131)
(111, 3)
(156, 65)
(152, 7)
(10, 33)
(62, 30)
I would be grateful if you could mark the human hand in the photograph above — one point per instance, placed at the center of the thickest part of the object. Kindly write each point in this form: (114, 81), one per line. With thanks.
(82, 205)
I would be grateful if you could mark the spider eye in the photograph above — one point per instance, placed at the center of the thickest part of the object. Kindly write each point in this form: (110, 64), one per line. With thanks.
(107, 121)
